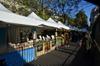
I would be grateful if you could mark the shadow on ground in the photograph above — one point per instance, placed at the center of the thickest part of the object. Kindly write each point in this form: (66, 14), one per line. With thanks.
(87, 58)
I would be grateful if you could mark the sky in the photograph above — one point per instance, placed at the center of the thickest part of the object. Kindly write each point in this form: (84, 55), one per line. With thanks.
(88, 12)
(87, 8)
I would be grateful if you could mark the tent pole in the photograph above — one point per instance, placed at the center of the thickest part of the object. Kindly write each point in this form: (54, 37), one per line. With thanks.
(7, 37)
(56, 37)
(34, 41)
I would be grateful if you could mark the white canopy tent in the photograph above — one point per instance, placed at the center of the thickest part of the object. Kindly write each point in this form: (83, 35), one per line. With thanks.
(33, 15)
(51, 25)
(83, 30)
(50, 20)
(73, 28)
(8, 17)
(12, 18)
(77, 29)
(3, 8)
(44, 23)
(63, 26)
(59, 24)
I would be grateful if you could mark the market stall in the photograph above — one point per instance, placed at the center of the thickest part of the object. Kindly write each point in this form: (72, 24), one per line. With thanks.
(15, 40)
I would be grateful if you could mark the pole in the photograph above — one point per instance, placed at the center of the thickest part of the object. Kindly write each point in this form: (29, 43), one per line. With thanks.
(7, 37)
(34, 41)
(56, 37)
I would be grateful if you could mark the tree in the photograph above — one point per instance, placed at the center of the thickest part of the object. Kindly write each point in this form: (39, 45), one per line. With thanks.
(43, 8)
(81, 19)
(72, 22)
(64, 8)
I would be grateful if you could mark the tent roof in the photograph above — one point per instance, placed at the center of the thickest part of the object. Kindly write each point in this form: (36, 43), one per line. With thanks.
(49, 25)
(17, 19)
(63, 26)
(33, 15)
(3, 8)
(73, 28)
(58, 24)
(77, 29)
(8, 17)
(50, 20)
(44, 23)
(83, 30)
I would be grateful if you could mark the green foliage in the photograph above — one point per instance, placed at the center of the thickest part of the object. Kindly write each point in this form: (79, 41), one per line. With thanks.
(81, 19)
(71, 21)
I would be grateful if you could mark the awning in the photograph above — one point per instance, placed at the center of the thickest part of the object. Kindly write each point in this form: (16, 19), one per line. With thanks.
(73, 28)
(50, 20)
(33, 15)
(44, 23)
(58, 24)
(12, 18)
(63, 26)
(83, 30)
(3, 8)
(77, 29)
